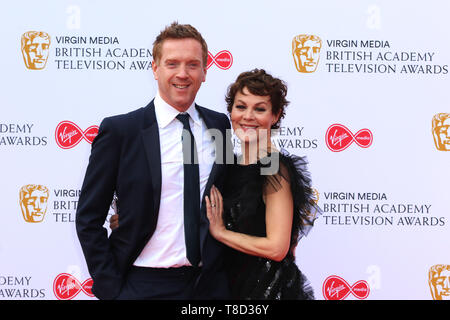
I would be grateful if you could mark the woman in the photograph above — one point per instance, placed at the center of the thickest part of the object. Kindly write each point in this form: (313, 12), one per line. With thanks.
(267, 201)
(261, 215)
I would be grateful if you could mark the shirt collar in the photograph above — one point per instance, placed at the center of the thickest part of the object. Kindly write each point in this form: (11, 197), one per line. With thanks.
(165, 113)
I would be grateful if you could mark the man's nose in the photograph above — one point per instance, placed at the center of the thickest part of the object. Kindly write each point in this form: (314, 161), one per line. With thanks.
(182, 72)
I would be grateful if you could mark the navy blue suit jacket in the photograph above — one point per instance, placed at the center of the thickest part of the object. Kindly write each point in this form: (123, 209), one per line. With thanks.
(125, 158)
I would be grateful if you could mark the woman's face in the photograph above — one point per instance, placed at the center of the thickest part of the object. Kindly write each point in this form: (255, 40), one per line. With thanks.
(252, 117)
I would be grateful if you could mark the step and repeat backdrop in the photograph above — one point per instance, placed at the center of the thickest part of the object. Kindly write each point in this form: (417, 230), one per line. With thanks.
(368, 83)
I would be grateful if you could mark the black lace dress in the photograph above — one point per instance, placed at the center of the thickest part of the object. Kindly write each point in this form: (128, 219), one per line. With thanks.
(253, 277)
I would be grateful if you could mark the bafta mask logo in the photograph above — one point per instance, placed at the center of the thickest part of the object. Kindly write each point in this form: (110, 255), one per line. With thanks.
(306, 52)
(439, 281)
(316, 195)
(441, 131)
(33, 202)
(35, 48)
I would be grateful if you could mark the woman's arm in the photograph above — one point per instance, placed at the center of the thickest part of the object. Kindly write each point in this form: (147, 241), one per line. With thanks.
(279, 211)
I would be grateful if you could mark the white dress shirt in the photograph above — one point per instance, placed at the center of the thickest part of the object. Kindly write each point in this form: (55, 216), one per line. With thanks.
(166, 248)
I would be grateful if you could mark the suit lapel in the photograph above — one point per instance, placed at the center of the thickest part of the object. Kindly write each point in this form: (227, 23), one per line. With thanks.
(211, 123)
(217, 169)
(150, 138)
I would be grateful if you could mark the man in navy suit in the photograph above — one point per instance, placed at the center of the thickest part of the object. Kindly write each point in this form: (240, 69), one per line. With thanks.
(139, 157)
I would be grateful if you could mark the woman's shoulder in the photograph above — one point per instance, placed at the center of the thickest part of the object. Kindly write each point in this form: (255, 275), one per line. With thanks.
(284, 165)
(293, 160)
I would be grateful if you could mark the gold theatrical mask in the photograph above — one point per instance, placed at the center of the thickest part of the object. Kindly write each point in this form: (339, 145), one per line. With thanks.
(306, 52)
(35, 49)
(316, 195)
(33, 202)
(439, 281)
(311, 216)
(441, 131)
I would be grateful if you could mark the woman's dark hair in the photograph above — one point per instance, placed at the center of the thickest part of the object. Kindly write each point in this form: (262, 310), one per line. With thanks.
(260, 83)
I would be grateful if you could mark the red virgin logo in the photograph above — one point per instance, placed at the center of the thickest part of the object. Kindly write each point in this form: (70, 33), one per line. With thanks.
(339, 138)
(223, 60)
(68, 134)
(336, 288)
(66, 287)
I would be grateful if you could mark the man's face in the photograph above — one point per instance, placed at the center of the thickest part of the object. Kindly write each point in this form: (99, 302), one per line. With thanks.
(179, 72)
(36, 51)
(34, 206)
(442, 133)
(307, 56)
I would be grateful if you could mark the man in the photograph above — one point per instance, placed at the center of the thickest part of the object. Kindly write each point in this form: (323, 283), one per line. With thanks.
(154, 254)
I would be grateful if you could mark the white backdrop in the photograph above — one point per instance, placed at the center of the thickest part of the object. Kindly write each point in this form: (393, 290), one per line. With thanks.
(383, 67)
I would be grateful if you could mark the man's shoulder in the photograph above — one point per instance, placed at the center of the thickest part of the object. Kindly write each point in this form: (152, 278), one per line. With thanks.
(212, 114)
(127, 122)
(126, 117)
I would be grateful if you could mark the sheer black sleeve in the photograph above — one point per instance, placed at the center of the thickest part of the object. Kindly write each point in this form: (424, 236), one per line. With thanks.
(293, 169)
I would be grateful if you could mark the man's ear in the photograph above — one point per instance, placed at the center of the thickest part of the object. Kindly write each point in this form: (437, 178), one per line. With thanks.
(155, 68)
(204, 74)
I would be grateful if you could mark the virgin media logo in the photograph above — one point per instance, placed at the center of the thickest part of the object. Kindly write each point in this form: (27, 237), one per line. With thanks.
(339, 138)
(336, 288)
(68, 134)
(66, 287)
(223, 60)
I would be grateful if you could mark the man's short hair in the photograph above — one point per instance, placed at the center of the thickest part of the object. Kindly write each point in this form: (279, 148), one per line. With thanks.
(179, 31)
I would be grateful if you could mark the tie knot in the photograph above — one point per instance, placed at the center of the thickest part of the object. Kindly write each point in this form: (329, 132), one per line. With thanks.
(184, 118)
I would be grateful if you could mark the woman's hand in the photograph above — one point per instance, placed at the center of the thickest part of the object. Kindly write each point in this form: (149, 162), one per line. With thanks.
(275, 244)
(214, 211)
(114, 221)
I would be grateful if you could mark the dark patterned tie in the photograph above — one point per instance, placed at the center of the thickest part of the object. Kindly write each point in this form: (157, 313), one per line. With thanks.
(191, 192)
